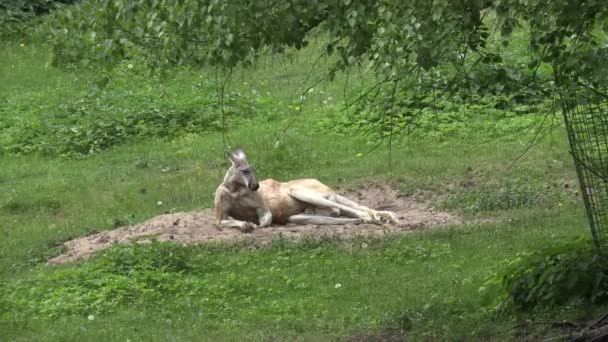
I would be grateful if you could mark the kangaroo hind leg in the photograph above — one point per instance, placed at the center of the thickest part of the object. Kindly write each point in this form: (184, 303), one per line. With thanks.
(345, 201)
(321, 220)
(331, 212)
(382, 216)
(319, 200)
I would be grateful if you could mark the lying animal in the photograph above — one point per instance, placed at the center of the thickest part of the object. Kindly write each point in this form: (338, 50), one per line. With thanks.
(241, 202)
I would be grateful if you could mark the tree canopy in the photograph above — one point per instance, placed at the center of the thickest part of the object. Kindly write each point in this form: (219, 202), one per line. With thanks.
(393, 36)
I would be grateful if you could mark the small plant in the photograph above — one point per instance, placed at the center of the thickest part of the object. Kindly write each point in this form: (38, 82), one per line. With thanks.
(560, 274)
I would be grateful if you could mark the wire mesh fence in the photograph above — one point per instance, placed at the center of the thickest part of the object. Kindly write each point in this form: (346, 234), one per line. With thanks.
(585, 112)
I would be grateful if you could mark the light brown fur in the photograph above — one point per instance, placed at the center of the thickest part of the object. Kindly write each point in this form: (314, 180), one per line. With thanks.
(282, 205)
(241, 202)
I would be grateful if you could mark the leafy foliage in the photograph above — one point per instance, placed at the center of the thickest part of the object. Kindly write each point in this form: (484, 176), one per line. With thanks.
(390, 32)
(394, 36)
(417, 49)
(567, 34)
(559, 274)
(177, 32)
(17, 16)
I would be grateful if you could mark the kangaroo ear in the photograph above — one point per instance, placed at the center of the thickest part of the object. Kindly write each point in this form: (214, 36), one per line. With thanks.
(233, 158)
(240, 153)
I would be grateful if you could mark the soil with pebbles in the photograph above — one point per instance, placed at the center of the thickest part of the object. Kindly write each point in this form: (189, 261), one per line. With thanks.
(414, 212)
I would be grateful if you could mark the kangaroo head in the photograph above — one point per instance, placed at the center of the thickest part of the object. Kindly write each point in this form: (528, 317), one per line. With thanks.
(241, 173)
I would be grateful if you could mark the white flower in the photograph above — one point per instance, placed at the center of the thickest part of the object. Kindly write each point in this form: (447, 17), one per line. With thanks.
(364, 245)
(129, 66)
(159, 203)
(338, 285)
(91, 317)
(311, 90)
(325, 102)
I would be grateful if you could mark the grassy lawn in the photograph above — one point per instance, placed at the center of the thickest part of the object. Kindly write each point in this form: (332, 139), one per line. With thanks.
(423, 285)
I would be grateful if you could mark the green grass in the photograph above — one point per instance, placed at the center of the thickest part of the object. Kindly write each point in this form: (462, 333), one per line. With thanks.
(424, 285)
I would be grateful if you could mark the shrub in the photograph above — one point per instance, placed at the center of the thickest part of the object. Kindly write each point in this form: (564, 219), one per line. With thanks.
(560, 274)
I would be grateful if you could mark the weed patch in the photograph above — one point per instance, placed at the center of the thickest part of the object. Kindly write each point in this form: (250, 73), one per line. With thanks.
(506, 194)
(97, 120)
(481, 119)
(14, 206)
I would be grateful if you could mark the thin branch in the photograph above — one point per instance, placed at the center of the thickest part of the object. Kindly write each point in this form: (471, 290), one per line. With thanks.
(390, 127)
(596, 322)
(555, 323)
(220, 91)
(592, 168)
(303, 95)
(594, 90)
(376, 85)
(367, 92)
(302, 98)
(419, 111)
(345, 89)
(190, 40)
(531, 144)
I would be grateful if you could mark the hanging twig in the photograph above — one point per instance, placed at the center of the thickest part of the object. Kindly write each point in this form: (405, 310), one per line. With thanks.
(377, 84)
(531, 144)
(303, 95)
(390, 139)
(220, 91)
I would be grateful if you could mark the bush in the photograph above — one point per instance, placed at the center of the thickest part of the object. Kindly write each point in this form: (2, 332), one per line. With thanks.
(561, 274)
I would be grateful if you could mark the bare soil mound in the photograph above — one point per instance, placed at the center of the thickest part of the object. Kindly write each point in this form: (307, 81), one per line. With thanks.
(199, 226)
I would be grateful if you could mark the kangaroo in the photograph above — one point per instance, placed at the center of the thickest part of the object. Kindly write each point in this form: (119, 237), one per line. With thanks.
(244, 203)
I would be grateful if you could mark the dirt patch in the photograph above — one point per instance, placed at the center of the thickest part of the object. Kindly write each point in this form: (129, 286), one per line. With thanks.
(198, 226)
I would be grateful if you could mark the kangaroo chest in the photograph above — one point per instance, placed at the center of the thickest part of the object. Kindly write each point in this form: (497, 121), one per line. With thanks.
(244, 207)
